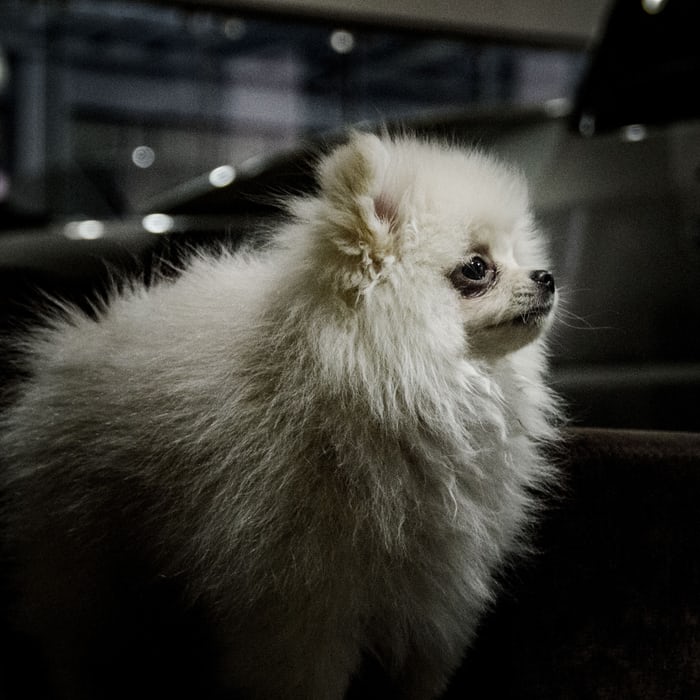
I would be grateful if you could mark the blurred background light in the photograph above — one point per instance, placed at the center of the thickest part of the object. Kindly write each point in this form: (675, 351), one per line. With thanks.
(222, 176)
(4, 70)
(88, 230)
(143, 156)
(557, 107)
(586, 125)
(158, 223)
(634, 132)
(4, 186)
(653, 7)
(342, 41)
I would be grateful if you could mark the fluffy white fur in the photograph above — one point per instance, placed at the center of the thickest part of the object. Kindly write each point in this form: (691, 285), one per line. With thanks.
(334, 442)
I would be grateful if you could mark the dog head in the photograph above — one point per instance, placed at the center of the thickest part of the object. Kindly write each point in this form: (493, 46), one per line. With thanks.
(428, 220)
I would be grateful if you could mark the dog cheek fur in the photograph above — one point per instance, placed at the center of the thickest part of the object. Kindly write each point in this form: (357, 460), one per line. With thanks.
(300, 431)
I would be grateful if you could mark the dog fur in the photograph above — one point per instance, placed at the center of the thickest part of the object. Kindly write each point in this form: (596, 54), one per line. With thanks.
(336, 441)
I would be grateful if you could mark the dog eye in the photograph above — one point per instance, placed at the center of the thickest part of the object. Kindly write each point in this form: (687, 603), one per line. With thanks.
(475, 269)
(473, 277)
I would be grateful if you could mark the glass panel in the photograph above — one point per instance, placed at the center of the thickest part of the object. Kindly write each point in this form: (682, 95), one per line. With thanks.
(104, 105)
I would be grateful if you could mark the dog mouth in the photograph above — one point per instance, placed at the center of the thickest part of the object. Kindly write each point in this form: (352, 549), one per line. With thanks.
(533, 316)
(523, 324)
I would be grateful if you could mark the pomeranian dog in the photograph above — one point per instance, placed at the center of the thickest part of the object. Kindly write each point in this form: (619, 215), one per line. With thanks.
(335, 443)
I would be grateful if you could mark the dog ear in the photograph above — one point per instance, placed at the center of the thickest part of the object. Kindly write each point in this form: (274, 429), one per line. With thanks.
(363, 213)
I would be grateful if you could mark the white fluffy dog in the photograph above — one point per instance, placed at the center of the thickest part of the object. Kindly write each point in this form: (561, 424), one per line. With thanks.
(336, 441)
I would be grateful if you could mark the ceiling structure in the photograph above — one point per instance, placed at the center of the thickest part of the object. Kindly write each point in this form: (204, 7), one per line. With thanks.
(198, 83)
(575, 22)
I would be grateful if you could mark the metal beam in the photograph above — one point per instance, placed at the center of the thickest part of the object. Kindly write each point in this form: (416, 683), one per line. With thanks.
(571, 21)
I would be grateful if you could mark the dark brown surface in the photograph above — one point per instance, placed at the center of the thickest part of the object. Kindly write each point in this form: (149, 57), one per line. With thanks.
(608, 609)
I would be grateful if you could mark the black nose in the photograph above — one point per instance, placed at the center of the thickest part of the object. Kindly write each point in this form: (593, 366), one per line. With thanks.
(544, 278)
